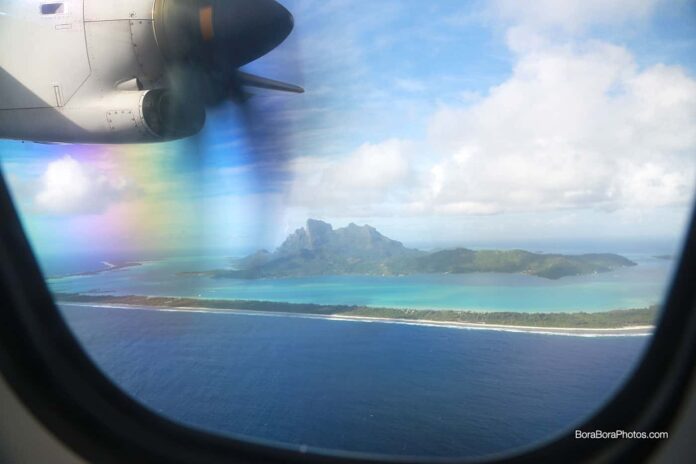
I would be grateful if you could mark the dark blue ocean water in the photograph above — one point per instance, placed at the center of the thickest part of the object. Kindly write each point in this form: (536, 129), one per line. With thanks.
(356, 386)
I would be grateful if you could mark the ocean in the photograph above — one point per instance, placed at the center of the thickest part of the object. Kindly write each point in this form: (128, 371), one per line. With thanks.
(368, 387)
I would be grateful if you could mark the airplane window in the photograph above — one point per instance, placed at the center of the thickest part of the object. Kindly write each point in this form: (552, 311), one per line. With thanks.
(52, 8)
(392, 228)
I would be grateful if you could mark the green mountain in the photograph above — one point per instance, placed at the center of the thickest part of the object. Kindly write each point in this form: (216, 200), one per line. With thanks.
(318, 249)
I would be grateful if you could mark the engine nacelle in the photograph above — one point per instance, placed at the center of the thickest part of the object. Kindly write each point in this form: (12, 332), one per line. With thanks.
(118, 117)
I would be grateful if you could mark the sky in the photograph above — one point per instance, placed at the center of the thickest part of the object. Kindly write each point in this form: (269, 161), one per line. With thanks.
(440, 123)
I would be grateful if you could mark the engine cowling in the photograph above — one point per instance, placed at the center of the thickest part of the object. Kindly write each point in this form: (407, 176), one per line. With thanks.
(118, 117)
(170, 117)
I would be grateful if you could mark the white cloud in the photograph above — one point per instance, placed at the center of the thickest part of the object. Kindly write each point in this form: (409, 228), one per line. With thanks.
(573, 127)
(371, 175)
(578, 125)
(70, 187)
(571, 15)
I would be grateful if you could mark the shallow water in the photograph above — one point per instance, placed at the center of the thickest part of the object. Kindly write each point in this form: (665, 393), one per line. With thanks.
(632, 287)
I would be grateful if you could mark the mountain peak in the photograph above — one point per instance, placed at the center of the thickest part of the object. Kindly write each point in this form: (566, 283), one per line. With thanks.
(317, 226)
(354, 227)
(351, 241)
(317, 223)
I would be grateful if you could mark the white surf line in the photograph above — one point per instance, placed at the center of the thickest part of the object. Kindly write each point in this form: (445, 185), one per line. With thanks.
(635, 331)
(484, 324)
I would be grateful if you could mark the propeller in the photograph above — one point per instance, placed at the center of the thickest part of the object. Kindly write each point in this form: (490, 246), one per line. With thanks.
(205, 43)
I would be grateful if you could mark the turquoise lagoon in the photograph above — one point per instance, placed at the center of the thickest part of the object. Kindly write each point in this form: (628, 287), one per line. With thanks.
(633, 287)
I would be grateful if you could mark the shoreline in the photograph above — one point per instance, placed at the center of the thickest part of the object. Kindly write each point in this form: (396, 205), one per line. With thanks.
(633, 330)
(637, 330)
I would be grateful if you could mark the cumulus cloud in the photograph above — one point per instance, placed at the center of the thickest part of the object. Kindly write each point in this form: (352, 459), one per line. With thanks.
(573, 127)
(571, 15)
(578, 124)
(371, 175)
(69, 187)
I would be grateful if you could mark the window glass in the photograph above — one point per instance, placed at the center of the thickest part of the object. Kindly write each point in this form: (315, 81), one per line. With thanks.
(52, 8)
(455, 243)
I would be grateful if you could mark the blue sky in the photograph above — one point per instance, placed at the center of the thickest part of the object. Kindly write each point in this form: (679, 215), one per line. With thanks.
(438, 122)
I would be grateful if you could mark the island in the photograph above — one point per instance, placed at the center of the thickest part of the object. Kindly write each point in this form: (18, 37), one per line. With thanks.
(636, 321)
(319, 250)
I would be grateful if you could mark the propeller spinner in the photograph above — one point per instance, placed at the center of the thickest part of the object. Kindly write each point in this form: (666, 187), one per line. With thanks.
(205, 42)
(220, 36)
